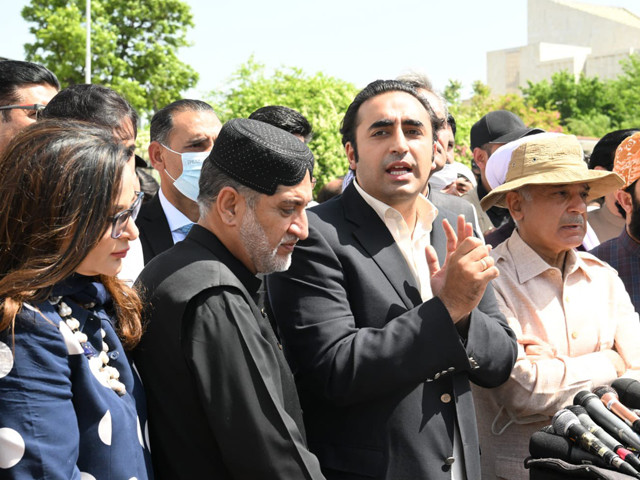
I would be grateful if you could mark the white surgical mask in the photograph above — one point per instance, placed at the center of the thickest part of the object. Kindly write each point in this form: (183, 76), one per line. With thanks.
(187, 182)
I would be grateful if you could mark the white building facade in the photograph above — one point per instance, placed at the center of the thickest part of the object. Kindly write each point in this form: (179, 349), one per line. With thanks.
(565, 35)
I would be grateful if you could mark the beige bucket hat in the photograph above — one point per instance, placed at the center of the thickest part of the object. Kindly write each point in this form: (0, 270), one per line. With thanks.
(548, 161)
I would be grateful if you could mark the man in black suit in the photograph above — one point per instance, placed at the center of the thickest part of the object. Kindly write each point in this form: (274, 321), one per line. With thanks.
(182, 135)
(383, 342)
(222, 400)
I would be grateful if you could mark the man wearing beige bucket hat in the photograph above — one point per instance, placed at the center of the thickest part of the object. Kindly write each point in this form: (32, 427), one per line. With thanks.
(570, 338)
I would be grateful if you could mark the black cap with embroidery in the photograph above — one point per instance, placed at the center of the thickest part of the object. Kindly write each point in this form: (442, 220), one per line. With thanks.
(261, 156)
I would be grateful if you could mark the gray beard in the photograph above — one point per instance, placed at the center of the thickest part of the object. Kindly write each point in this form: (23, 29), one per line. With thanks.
(254, 240)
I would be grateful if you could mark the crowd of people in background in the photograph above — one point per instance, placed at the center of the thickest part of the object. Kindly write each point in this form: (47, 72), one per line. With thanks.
(205, 317)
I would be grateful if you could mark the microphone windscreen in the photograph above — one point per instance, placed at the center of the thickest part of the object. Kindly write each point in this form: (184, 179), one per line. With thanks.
(628, 391)
(580, 396)
(604, 389)
(547, 445)
(577, 410)
(562, 420)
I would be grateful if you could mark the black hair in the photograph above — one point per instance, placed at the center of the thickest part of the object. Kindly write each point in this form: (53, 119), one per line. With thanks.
(451, 121)
(605, 150)
(285, 118)
(15, 74)
(162, 120)
(92, 103)
(378, 87)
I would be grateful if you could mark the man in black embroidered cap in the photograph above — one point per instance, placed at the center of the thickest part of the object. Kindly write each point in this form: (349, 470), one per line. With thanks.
(222, 400)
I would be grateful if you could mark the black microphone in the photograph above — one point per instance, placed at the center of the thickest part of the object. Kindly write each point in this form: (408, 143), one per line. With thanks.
(550, 445)
(610, 400)
(603, 436)
(628, 391)
(567, 424)
(607, 420)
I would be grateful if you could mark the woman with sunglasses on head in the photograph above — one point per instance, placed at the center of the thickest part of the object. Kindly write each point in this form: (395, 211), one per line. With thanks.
(68, 395)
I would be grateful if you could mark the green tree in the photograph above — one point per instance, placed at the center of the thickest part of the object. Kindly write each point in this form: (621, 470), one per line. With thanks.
(624, 93)
(320, 98)
(134, 46)
(470, 111)
(588, 106)
(453, 91)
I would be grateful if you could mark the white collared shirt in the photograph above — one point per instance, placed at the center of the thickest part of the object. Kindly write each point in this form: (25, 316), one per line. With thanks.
(175, 218)
(411, 244)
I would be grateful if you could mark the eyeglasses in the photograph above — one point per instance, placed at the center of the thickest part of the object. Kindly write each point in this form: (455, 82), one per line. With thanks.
(120, 220)
(36, 107)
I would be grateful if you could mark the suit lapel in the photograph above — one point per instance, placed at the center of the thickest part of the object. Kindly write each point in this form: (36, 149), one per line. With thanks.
(371, 232)
(438, 238)
(154, 227)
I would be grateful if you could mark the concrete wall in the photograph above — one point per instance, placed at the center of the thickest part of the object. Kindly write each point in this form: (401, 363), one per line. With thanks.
(556, 22)
(563, 35)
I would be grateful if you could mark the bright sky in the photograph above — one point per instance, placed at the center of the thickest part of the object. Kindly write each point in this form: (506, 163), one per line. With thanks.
(355, 40)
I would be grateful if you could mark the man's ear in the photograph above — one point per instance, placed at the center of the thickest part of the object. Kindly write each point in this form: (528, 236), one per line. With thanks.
(230, 206)
(625, 201)
(480, 157)
(155, 156)
(514, 203)
(351, 155)
(433, 156)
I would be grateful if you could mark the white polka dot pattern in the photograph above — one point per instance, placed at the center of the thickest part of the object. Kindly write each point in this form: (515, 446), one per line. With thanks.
(139, 433)
(11, 447)
(146, 436)
(104, 428)
(6, 359)
(94, 365)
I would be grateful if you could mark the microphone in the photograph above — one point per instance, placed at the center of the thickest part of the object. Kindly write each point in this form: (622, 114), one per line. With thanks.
(607, 420)
(550, 445)
(567, 424)
(603, 436)
(610, 399)
(628, 391)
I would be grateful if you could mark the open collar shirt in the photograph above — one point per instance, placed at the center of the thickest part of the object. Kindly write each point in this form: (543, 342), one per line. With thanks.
(412, 244)
(580, 313)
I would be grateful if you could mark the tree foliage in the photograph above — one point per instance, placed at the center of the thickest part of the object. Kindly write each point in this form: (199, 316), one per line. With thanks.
(591, 106)
(470, 111)
(323, 100)
(133, 46)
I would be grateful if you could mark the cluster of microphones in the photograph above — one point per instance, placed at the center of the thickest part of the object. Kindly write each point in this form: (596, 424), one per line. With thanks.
(600, 428)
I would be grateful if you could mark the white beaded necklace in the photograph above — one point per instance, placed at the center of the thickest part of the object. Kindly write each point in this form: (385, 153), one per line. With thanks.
(107, 375)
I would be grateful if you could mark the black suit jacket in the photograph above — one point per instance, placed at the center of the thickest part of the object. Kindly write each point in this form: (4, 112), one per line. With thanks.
(155, 234)
(221, 398)
(382, 376)
(456, 205)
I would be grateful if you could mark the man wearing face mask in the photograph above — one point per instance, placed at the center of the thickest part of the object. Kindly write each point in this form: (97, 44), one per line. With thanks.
(182, 135)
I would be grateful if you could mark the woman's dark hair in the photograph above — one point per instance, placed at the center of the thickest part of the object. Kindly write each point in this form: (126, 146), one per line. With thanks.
(61, 179)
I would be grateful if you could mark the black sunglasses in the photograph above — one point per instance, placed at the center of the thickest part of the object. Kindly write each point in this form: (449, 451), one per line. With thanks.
(120, 220)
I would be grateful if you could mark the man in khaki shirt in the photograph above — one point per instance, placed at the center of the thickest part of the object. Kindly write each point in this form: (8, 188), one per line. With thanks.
(575, 324)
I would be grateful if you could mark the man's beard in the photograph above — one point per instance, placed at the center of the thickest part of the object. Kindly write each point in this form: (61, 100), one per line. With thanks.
(254, 239)
(634, 223)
